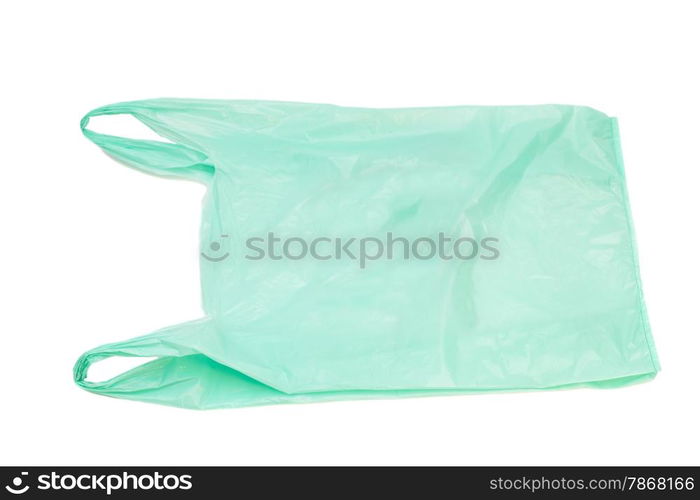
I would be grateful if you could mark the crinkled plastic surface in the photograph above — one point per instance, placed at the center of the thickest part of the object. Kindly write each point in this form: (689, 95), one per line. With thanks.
(556, 302)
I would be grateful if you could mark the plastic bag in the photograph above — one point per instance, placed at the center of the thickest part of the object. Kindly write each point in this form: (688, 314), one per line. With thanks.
(370, 253)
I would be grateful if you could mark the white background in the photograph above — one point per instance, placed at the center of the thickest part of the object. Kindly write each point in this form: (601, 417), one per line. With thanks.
(93, 252)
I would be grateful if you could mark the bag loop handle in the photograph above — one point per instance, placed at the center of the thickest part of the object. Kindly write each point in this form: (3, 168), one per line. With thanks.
(155, 157)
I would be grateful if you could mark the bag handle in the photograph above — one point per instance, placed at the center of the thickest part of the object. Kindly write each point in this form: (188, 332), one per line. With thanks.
(181, 375)
(170, 342)
(155, 157)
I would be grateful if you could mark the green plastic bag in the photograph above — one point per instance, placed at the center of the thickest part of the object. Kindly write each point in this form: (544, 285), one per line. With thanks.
(370, 253)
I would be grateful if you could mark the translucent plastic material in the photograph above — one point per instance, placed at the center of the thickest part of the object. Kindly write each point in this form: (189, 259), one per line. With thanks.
(543, 293)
